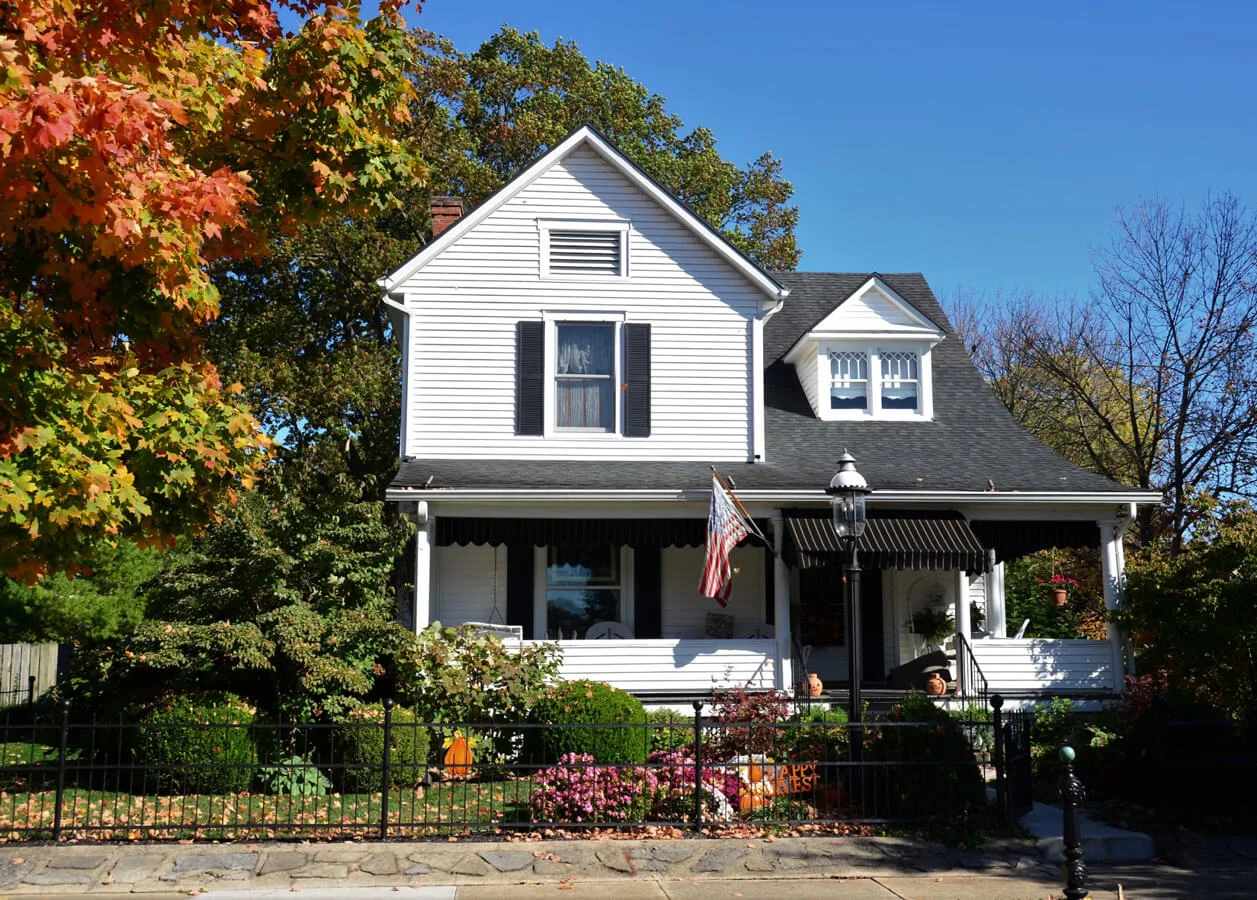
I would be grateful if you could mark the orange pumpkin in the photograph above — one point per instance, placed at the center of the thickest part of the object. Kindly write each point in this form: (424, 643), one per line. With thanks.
(458, 758)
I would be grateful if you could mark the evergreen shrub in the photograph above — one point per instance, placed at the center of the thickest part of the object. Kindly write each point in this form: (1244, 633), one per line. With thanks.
(571, 707)
(197, 743)
(360, 750)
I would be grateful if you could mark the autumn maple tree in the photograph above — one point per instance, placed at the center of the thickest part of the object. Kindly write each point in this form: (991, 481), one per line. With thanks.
(139, 145)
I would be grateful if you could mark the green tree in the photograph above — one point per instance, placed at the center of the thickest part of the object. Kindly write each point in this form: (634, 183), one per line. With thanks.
(104, 601)
(1191, 613)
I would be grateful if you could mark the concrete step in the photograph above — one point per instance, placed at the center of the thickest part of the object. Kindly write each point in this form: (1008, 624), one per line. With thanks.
(1100, 842)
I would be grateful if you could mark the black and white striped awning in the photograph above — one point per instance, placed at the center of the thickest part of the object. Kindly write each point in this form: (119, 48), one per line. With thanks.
(900, 541)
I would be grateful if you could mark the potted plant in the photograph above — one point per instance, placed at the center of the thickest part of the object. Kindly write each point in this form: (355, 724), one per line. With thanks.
(932, 625)
(1060, 586)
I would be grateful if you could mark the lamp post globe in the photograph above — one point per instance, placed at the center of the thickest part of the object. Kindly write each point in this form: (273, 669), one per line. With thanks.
(847, 490)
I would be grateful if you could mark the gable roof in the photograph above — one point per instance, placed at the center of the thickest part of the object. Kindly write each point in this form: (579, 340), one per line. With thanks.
(915, 324)
(972, 441)
(588, 136)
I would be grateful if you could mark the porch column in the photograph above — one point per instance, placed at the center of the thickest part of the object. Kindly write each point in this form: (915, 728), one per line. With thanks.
(996, 611)
(963, 628)
(1113, 578)
(781, 608)
(423, 566)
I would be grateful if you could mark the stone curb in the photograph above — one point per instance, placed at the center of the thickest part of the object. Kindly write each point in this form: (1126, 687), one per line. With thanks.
(106, 869)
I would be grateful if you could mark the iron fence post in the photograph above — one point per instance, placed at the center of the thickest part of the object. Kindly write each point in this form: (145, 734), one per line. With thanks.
(388, 779)
(698, 765)
(1071, 795)
(1001, 785)
(61, 758)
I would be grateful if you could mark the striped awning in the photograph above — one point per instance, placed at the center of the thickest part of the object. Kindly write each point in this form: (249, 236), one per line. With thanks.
(901, 541)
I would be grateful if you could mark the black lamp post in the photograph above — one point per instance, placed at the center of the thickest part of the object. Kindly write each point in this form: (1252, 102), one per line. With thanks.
(847, 491)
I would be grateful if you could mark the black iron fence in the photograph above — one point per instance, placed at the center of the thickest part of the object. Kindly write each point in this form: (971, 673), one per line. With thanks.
(72, 775)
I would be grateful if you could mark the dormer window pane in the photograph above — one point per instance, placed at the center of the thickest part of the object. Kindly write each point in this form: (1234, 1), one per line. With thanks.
(849, 380)
(901, 380)
(584, 377)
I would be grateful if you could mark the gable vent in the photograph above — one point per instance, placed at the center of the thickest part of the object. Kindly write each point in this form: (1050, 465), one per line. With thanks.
(586, 252)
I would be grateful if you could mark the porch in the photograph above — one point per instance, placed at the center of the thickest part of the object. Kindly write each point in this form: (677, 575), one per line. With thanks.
(786, 616)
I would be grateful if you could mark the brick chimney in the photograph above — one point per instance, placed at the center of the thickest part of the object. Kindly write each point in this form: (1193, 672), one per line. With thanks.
(445, 212)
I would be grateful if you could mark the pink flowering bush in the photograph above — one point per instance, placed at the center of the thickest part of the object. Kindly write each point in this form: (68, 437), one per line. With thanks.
(576, 790)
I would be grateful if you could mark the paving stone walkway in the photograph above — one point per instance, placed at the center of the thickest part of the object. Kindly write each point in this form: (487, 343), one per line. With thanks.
(29, 869)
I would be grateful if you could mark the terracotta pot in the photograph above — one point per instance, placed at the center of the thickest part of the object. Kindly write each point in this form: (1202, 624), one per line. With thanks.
(935, 685)
(1059, 596)
(814, 685)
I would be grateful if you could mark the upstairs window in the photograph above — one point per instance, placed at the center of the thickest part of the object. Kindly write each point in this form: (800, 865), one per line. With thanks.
(848, 380)
(575, 249)
(584, 377)
(901, 380)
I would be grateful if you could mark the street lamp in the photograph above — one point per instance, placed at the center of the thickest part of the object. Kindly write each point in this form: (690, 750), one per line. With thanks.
(847, 490)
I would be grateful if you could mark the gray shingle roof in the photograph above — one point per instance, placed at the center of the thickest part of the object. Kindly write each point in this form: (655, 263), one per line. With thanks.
(972, 440)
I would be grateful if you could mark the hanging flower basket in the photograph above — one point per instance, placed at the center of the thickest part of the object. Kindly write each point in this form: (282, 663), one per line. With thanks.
(1059, 586)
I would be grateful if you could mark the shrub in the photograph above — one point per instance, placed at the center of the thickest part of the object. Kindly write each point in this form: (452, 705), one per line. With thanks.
(295, 776)
(584, 704)
(821, 736)
(360, 749)
(736, 713)
(577, 790)
(951, 787)
(672, 730)
(198, 743)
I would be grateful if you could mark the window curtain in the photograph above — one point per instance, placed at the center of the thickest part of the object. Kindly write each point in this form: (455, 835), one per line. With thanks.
(585, 402)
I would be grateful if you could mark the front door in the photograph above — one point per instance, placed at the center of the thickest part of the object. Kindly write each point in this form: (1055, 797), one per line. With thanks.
(822, 624)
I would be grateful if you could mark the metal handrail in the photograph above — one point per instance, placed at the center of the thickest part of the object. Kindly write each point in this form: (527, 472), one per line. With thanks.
(971, 683)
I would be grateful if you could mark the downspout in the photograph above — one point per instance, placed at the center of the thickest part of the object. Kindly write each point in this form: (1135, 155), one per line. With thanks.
(399, 318)
(759, 451)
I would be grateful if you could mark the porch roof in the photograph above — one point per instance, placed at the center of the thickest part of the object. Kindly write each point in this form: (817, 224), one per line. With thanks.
(917, 541)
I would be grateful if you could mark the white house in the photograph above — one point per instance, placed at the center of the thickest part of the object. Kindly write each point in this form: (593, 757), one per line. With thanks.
(580, 349)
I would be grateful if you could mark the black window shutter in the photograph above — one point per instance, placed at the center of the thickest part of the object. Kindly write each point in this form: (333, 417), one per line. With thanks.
(636, 380)
(530, 362)
(648, 590)
(519, 586)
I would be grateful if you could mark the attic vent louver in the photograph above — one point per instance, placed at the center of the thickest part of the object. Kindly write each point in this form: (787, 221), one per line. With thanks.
(586, 252)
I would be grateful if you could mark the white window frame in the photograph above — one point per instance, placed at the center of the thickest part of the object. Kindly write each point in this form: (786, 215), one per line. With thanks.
(873, 350)
(541, 559)
(545, 226)
(553, 319)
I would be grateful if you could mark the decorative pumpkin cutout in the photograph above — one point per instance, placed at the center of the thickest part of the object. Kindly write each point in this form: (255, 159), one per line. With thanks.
(458, 758)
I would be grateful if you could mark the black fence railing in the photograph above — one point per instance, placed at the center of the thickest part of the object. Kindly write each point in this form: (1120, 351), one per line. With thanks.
(63, 775)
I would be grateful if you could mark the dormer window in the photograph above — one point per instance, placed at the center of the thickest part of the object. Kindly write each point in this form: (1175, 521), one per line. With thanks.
(868, 359)
(584, 249)
(849, 379)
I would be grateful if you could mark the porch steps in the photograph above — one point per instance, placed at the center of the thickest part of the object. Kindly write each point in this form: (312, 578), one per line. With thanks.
(1100, 842)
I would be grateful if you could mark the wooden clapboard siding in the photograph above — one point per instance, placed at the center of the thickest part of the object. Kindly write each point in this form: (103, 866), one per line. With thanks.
(465, 304)
(684, 611)
(464, 587)
(808, 377)
(18, 662)
(1045, 664)
(670, 665)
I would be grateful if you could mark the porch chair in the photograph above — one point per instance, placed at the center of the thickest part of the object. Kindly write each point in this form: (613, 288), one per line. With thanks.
(604, 630)
(1022, 630)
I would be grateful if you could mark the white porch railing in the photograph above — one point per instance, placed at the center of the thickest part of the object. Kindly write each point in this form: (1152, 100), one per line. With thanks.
(1046, 664)
(671, 664)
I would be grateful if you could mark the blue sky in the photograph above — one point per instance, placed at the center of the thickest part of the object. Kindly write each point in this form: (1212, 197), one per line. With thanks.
(984, 144)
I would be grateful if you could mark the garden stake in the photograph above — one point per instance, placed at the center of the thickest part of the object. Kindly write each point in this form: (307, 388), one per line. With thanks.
(698, 765)
(997, 725)
(1071, 795)
(388, 745)
(65, 735)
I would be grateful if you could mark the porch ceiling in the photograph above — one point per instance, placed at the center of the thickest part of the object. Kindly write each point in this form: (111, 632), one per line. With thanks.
(926, 541)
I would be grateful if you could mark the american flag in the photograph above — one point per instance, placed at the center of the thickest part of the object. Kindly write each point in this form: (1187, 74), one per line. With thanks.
(725, 528)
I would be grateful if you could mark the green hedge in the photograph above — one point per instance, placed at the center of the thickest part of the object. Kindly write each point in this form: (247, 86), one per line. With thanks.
(577, 703)
(359, 750)
(197, 744)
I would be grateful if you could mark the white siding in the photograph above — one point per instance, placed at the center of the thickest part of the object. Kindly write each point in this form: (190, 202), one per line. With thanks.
(810, 379)
(670, 665)
(468, 580)
(870, 311)
(465, 304)
(1044, 664)
(685, 611)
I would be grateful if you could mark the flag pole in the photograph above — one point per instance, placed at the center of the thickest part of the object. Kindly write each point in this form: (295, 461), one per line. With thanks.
(742, 509)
